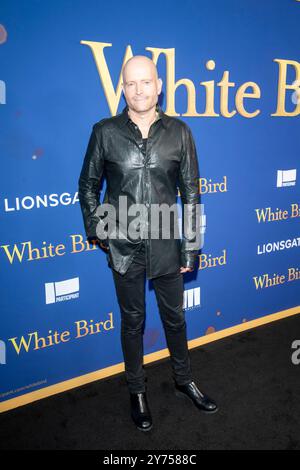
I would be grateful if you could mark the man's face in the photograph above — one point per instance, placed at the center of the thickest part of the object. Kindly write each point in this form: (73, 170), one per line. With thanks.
(141, 87)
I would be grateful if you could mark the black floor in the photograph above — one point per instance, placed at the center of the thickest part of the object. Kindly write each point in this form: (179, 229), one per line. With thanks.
(250, 375)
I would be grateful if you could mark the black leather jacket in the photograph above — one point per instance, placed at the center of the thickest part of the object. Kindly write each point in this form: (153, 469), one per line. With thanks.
(170, 162)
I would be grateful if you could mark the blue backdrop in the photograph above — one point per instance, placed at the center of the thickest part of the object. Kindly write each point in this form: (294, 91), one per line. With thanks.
(55, 287)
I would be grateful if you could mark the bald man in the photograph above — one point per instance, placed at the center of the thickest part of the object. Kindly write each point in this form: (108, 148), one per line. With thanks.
(145, 155)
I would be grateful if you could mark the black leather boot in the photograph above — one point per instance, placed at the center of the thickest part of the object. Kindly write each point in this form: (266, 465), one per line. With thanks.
(201, 401)
(140, 411)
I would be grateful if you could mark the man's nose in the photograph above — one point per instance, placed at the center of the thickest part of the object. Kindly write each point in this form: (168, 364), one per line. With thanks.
(138, 89)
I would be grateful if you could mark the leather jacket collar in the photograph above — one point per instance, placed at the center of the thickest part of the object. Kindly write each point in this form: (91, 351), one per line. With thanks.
(123, 118)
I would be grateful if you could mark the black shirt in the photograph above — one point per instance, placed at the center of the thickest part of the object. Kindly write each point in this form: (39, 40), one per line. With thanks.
(144, 145)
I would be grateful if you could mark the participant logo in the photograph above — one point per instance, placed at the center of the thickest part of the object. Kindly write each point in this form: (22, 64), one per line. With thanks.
(191, 298)
(62, 290)
(286, 178)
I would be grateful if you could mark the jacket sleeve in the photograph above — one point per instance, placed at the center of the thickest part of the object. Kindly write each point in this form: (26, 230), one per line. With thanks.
(89, 182)
(190, 199)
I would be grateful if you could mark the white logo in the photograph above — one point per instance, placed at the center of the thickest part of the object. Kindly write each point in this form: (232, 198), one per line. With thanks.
(278, 246)
(2, 92)
(62, 291)
(191, 298)
(286, 178)
(2, 352)
(35, 202)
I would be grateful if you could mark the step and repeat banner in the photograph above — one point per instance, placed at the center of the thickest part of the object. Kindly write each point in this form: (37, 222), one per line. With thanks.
(231, 71)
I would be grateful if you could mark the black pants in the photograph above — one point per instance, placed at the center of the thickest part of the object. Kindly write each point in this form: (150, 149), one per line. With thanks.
(130, 290)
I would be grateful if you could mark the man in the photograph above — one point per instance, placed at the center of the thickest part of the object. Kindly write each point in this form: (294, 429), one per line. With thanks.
(144, 155)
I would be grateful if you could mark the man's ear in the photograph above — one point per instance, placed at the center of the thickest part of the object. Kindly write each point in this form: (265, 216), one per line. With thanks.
(160, 83)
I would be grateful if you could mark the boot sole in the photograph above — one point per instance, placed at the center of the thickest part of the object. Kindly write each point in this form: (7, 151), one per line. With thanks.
(143, 429)
(180, 394)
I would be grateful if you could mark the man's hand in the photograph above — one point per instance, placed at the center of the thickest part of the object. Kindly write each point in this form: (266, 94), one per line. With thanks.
(185, 270)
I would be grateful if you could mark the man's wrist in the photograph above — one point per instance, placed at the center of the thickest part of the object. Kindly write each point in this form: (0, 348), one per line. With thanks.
(188, 259)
